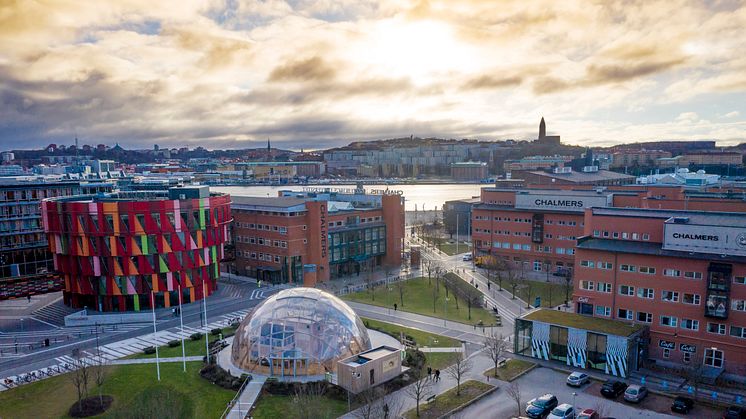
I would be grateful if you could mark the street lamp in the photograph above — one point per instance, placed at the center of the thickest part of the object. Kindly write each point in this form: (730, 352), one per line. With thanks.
(445, 300)
(574, 407)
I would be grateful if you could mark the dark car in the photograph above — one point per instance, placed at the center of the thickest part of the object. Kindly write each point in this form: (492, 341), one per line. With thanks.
(682, 404)
(612, 389)
(541, 406)
(735, 412)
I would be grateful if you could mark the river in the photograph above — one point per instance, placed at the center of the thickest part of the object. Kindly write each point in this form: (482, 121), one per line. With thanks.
(418, 197)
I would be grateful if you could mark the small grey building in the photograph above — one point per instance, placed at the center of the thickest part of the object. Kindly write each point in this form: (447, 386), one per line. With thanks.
(369, 369)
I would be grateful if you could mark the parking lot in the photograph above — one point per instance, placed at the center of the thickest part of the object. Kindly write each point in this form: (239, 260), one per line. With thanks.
(544, 380)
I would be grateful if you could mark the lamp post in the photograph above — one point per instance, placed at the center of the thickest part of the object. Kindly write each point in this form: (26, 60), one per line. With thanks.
(445, 300)
(574, 407)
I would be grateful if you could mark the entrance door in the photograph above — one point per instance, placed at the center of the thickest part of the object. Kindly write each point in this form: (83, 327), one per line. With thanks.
(714, 358)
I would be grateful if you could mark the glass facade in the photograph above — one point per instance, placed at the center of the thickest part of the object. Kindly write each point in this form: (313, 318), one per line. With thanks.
(300, 331)
(357, 244)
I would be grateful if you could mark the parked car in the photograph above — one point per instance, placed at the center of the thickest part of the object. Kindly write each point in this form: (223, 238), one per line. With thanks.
(612, 389)
(563, 411)
(588, 414)
(577, 379)
(735, 412)
(467, 257)
(541, 406)
(682, 404)
(635, 393)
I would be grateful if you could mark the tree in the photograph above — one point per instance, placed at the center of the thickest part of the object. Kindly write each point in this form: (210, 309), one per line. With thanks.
(492, 270)
(429, 265)
(99, 376)
(473, 299)
(308, 403)
(514, 392)
(420, 388)
(513, 282)
(400, 288)
(388, 269)
(460, 367)
(568, 286)
(495, 347)
(80, 379)
(378, 403)
(369, 280)
(438, 271)
(528, 285)
(435, 298)
(695, 374)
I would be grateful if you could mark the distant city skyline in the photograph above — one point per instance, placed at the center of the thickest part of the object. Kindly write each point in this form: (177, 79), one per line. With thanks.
(316, 75)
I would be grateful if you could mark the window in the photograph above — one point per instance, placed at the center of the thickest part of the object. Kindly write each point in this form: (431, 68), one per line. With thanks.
(516, 246)
(277, 259)
(625, 235)
(635, 236)
(693, 275)
(645, 293)
(645, 236)
(687, 357)
(691, 299)
(305, 241)
(690, 324)
(615, 235)
(666, 353)
(305, 227)
(669, 321)
(738, 305)
(739, 280)
(537, 266)
(670, 296)
(623, 313)
(596, 233)
(586, 285)
(671, 272)
(603, 311)
(627, 290)
(587, 264)
(714, 357)
(644, 317)
(738, 331)
(526, 247)
(603, 287)
(605, 265)
(647, 270)
(627, 268)
(716, 328)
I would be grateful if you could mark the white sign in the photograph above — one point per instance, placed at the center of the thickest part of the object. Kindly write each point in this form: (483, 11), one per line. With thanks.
(705, 239)
(560, 202)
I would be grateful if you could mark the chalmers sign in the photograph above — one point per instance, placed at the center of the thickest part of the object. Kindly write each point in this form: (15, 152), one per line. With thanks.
(705, 239)
(560, 202)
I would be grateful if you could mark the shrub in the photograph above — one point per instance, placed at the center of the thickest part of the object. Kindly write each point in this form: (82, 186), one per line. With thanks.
(235, 325)
(414, 359)
(215, 332)
(221, 377)
(148, 350)
(174, 343)
(196, 336)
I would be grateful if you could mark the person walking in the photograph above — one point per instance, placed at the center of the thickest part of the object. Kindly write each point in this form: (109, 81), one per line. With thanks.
(429, 372)
(395, 306)
(437, 375)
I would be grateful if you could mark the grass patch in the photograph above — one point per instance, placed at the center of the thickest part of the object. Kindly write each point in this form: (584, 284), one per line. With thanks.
(191, 347)
(448, 400)
(271, 406)
(422, 338)
(449, 248)
(511, 369)
(579, 321)
(418, 298)
(438, 360)
(52, 397)
(552, 294)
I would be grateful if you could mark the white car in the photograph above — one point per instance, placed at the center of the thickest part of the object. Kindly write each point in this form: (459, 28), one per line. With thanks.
(563, 411)
(467, 257)
(577, 379)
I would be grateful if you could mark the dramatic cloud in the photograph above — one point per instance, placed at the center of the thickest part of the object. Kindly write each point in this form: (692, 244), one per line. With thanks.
(316, 74)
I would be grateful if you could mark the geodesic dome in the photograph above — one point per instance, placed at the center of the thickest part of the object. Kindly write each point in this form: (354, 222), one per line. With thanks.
(299, 331)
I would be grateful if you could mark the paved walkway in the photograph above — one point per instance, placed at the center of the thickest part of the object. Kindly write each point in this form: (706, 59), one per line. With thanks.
(153, 360)
(246, 399)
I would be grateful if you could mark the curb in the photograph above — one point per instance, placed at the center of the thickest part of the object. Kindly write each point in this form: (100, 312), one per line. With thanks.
(470, 402)
(519, 375)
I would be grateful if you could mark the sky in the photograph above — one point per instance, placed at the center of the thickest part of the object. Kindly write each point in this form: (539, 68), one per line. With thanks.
(315, 74)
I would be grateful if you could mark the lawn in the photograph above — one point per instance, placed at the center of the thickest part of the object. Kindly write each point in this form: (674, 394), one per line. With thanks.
(438, 360)
(450, 248)
(422, 338)
(511, 369)
(271, 406)
(552, 294)
(418, 298)
(191, 347)
(448, 400)
(51, 398)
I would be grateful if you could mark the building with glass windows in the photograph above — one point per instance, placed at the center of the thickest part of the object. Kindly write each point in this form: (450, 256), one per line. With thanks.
(613, 347)
(313, 235)
(26, 265)
(129, 250)
(298, 332)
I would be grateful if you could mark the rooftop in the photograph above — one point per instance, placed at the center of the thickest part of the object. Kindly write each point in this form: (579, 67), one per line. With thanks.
(648, 248)
(730, 219)
(585, 176)
(579, 321)
(251, 202)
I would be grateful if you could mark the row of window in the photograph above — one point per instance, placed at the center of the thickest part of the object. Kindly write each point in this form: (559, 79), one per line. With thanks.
(527, 220)
(537, 248)
(622, 235)
(264, 242)
(265, 227)
(258, 255)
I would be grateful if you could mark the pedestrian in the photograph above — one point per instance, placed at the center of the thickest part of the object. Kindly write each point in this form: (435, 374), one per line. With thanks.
(28, 297)
(429, 372)
(395, 306)
(476, 285)
(437, 375)
(489, 286)
(173, 311)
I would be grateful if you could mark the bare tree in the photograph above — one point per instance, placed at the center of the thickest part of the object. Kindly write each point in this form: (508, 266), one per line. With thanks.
(435, 298)
(308, 403)
(460, 367)
(388, 269)
(493, 267)
(513, 277)
(400, 288)
(420, 388)
(514, 392)
(378, 403)
(80, 379)
(438, 270)
(528, 286)
(429, 266)
(495, 346)
(695, 374)
(99, 376)
(568, 287)
(369, 280)
(473, 300)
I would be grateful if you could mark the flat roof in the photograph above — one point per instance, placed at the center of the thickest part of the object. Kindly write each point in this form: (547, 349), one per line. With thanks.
(723, 219)
(579, 321)
(651, 249)
(732, 219)
(585, 176)
(269, 202)
(496, 207)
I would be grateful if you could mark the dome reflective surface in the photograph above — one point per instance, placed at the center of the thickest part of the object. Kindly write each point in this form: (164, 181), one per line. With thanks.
(299, 331)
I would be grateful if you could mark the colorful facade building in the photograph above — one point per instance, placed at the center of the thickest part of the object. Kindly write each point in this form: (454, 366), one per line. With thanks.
(26, 265)
(312, 236)
(680, 273)
(128, 250)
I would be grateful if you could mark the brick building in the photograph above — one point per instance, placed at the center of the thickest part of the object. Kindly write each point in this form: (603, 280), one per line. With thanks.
(309, 237)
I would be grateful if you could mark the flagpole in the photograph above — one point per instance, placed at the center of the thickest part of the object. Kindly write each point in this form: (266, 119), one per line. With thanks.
(181, 320)
(155, 330)
(207, 332)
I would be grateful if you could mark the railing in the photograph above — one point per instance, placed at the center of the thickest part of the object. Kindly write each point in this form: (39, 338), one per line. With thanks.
(233, 401)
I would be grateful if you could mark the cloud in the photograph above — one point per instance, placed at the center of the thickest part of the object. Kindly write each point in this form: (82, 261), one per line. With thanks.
(310, 69)
(731, 114)
(488, 81)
